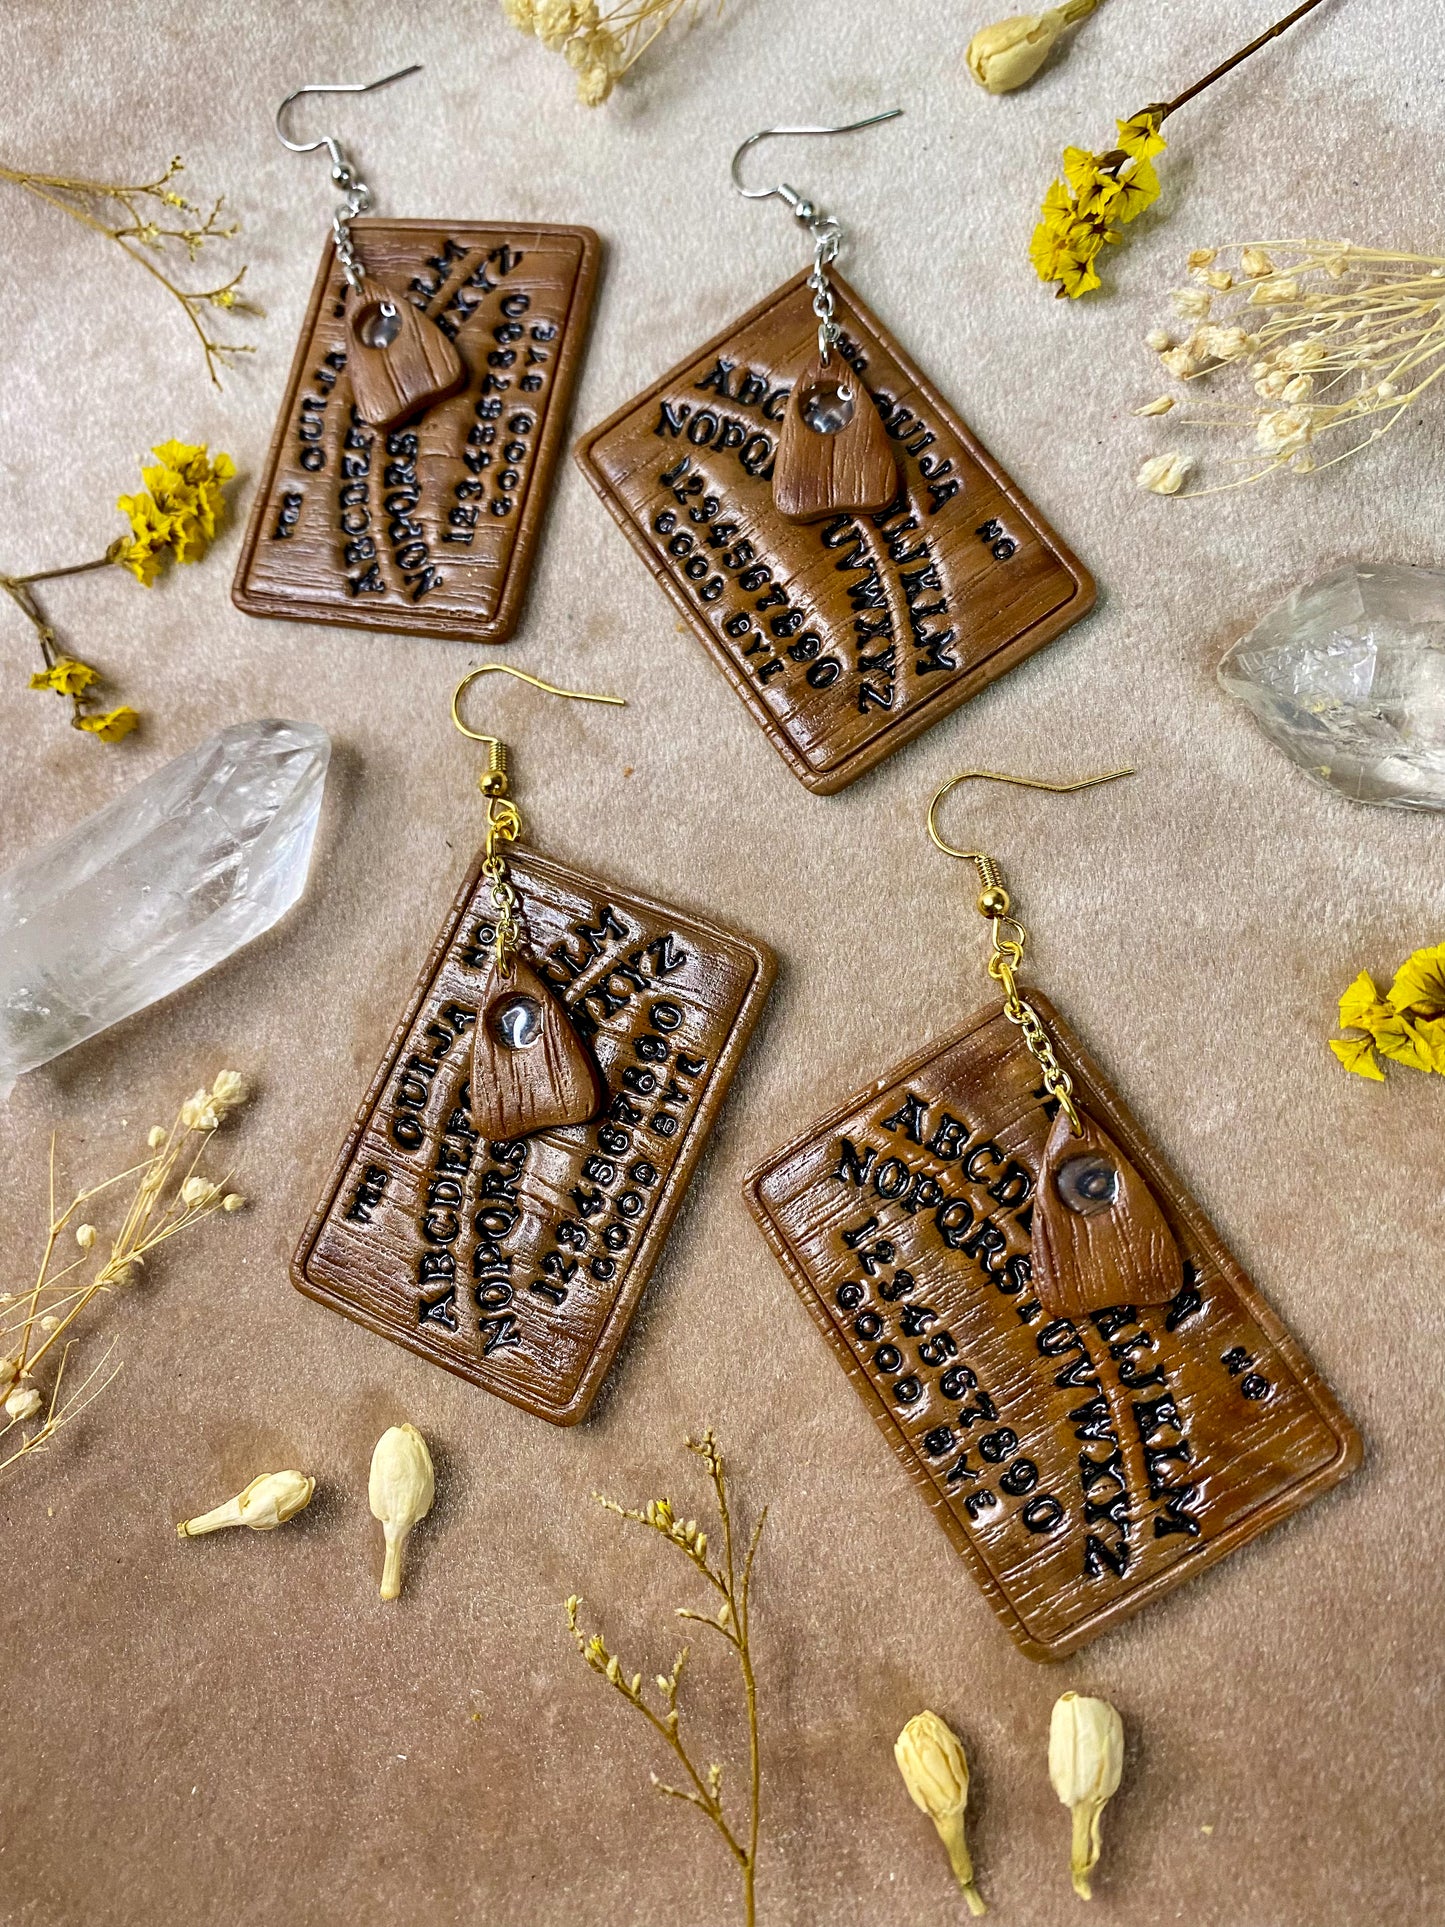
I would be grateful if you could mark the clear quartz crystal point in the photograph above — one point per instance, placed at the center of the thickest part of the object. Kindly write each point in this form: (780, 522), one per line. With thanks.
(1347, 677)
(155, 888)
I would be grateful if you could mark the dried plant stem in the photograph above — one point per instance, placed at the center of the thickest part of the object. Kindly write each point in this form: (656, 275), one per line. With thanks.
(731, 1621)
(1166, 108)
(19, 590)
(91, 202)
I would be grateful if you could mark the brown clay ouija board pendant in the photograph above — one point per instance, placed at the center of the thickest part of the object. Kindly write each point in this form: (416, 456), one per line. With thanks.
(852, 560)
(413, 455)
(1070, 1364)
(512, 1172)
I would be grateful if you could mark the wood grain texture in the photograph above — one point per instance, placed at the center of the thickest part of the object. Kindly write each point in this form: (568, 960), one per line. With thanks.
(1124, 1254)
(848, 637)
(429, 530)
(419, 367)
(853, 471)
(1084, 1468)
(544, 1085)
(518, 1263)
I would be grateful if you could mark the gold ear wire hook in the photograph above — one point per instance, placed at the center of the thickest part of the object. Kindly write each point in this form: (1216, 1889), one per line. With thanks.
(494, 781)
(1009, 935)
(998, 776)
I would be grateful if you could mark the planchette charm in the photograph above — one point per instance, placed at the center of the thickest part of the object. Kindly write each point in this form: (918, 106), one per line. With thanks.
(400, 361)
(1099, 1237)
(530, 1070)
(834, 453)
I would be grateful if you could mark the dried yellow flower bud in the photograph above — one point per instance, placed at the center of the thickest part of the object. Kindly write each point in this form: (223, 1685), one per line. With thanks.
(1164, 474)
(23, 1403)
(1086, 1758)
(198, 1192)
(400, 1491)
(85, 1235)
(1180, 362)
(1256, 263)
(156, 1136)
(1201, 257)
(233, 1201)
(1010, 52)
(7, 1373)
(1160, 405)
(267, 1502)
(935, 1772)
(1159, 340)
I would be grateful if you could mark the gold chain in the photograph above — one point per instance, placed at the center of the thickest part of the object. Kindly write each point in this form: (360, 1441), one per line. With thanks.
(504, 824)
(1009, 939)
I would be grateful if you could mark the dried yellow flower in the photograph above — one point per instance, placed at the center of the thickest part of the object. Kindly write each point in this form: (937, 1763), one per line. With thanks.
(1180, 362)
(1160, 405)
(1086, 1759)
(197, 1193)
(156, 1136)
(233, 1201)
(400, 1492)
(1158, 340)
(1285, 429)
(1200, 257)
(1256, 263)
(1220, 279)
(1164, 474)
(8, 1367)
(935, 1772)
(85, 1236)
(267, 1502)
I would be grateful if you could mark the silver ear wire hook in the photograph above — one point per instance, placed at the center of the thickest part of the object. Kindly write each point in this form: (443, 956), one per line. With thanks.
(827, 232)
(358, 194)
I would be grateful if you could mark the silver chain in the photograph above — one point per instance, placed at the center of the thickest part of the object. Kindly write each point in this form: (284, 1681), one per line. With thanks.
(358, 201)
(827, 236)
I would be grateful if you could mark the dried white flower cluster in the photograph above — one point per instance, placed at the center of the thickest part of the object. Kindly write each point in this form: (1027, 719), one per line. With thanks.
(1337, 339)
(598, 47)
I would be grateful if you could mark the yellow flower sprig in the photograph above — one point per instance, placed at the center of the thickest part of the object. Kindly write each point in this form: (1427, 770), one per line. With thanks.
(174, 516)
(1406, 1025)
(1337, 342)
(598, 47)
(144, 218)
(1101, 193)
(729, 1573)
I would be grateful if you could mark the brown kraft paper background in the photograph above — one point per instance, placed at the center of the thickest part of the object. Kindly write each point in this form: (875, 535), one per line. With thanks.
(237, 1729)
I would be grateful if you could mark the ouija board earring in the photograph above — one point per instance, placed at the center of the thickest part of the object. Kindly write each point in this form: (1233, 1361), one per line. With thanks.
(513, 1169)
(413, 454)
(1088, 1390)
(850, 557)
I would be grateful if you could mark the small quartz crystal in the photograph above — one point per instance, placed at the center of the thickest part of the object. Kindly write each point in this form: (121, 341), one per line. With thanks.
(1347, 677)
(163, 883)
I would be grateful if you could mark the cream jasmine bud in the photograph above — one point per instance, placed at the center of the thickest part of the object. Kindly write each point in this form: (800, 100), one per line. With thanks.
(85, 1235)
(1010, 52)
(401, 1489)
(267, 1502)
(1086, 1758)
(935, 1772)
